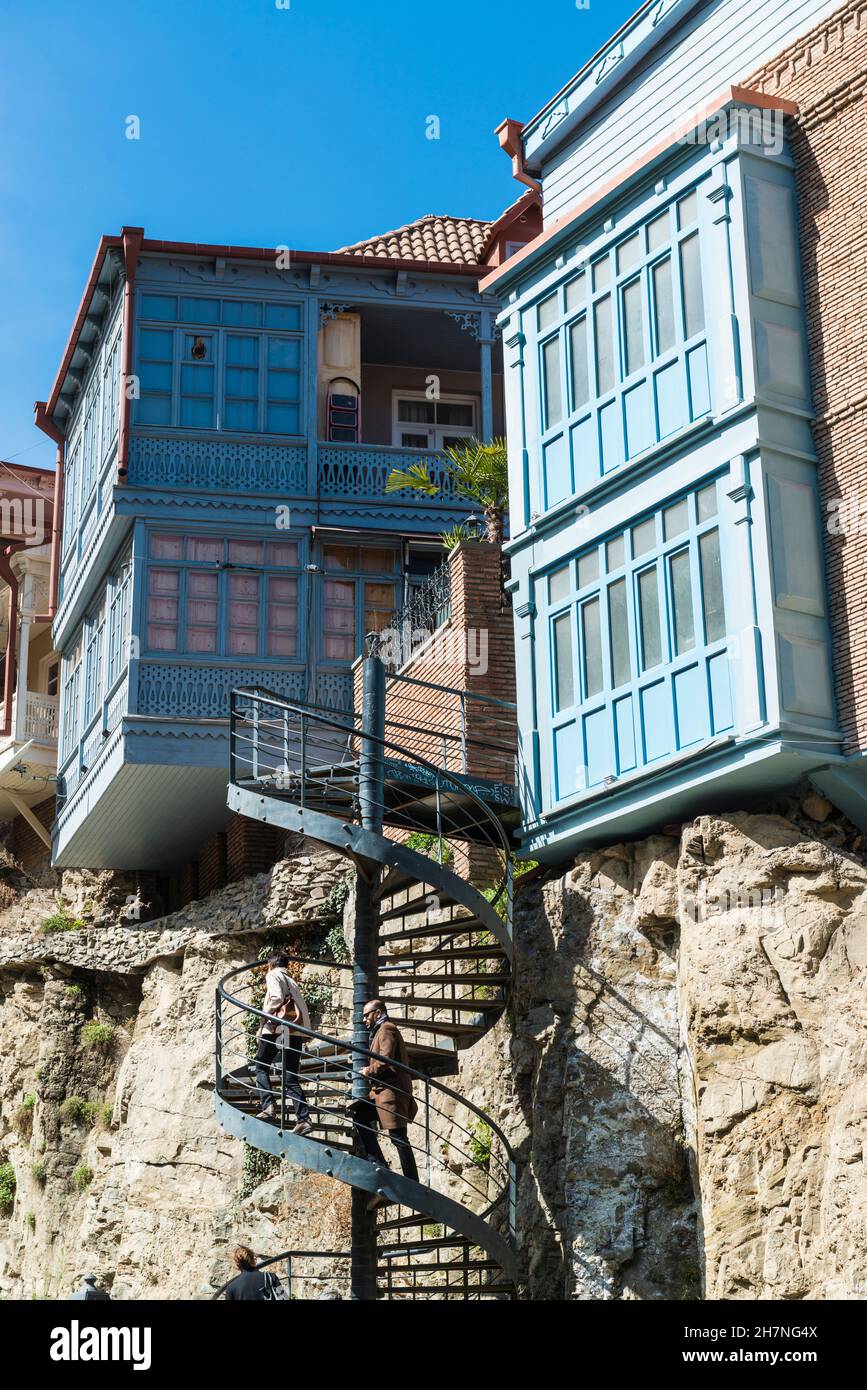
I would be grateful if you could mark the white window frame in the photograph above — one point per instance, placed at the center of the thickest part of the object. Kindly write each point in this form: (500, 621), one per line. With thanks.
(435, 433)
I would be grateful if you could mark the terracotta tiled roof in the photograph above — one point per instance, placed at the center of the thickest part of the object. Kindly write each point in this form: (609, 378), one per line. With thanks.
(450, 240)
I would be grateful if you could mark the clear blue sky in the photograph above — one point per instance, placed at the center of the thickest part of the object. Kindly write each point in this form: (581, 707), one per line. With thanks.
(302, 126)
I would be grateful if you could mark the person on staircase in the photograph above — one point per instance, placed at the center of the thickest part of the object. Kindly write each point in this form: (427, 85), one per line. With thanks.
(284, 999)
(391, 1099)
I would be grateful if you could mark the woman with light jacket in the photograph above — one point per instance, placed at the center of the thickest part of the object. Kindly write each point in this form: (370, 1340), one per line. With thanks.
(284, 999)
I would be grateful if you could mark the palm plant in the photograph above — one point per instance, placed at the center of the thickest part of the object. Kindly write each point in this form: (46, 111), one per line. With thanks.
(477, 472)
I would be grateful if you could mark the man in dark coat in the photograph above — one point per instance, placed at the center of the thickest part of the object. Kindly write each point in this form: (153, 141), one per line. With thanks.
(391, 1099)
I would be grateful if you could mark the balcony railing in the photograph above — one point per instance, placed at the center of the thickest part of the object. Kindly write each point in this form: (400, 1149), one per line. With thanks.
(361, 470)
(40, 717)
(39, 721)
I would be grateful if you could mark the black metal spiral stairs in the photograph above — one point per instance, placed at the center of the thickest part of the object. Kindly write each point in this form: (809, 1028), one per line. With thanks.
(438, 953)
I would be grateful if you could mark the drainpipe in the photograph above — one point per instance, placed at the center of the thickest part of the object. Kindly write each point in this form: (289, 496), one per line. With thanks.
(7, 573)
(47, 425)
(509, 136)
(132, 240)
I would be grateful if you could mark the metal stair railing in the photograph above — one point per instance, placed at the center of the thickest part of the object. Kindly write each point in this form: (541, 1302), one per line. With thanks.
(443, 967)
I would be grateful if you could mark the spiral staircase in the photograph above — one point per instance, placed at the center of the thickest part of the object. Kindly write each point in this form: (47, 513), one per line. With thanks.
(434, 948)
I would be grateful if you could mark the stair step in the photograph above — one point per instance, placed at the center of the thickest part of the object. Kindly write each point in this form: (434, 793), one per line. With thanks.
(444, 979)
(417, 906)
(456, 928)
(418, 1001)
(493, 952)
(480, 1290)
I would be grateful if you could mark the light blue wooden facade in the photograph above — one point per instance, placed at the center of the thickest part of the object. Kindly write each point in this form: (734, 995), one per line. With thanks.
(667, 566)
(229, 484)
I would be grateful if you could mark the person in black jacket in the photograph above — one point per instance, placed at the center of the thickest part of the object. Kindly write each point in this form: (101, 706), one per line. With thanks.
(251, 1284)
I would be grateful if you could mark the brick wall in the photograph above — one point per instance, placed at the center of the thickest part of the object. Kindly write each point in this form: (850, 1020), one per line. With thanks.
(25, 845)
(825, 72)
(472, 652)
(252, 847)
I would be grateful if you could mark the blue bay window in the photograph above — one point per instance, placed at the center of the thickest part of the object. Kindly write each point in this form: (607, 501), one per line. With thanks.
(639, 666)
(622, 352)
(219, 364)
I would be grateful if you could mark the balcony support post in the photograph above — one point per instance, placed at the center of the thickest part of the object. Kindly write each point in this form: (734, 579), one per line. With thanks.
(21, 687)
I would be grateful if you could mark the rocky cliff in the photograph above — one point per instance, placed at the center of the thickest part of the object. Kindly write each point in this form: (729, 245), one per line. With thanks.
(107, 1095)
(681, 1071)
(685, 1072)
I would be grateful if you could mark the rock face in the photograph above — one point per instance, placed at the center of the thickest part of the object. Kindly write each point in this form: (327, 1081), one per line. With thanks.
(681, 1074)
(685, 1073)
(120, 1165)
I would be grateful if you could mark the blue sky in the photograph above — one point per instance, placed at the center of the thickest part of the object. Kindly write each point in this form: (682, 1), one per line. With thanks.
(302, 126)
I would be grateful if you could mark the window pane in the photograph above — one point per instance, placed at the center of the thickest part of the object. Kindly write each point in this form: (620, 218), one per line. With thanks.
(340, 557)
(167, 547)
(245, 552)
(707, 502)
(197, 411)
(604, 345)
(687, 210)
(282, 316)
(200, 310)
(588, 568)
(602, 273)
(242, 352)
(663, 305)
(204, 549)
(563, 662)
(454, 413)
(629, 253)
(576, 292)
(643, 537)
(240, 415)
(681, 597)
(281, 553)
(156, 343)
(675, 520)
(580, 375)
(339, 618)
(648, 603)
(559, 586)
(618, 622)
(657, 232)
(242, 315)
(693, 299)
(283, 386)
(551, 385)
(415, 412)
(711, 587)
(281, 419)
(592, 642)
(155, 410)
(155, 376)
(197, 381)
(615, 553)
(549, 310)
(378, 561)
(633, 316)
(158, 306)
(284, 352)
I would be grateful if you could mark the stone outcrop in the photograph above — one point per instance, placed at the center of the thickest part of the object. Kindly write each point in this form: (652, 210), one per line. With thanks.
(119, 1163)
(685, 1072)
